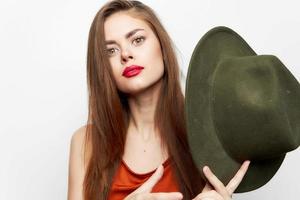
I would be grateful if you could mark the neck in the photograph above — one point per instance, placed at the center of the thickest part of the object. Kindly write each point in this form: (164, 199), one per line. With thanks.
(142, 111)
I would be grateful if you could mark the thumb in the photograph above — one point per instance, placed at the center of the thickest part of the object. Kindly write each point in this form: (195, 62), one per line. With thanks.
(149, 184)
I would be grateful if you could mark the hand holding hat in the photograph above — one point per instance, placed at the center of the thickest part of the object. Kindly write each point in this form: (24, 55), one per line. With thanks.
(240, 106)
(215, 188)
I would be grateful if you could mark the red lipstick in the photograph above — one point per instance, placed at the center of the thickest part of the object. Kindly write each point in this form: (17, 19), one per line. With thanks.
(132, 70)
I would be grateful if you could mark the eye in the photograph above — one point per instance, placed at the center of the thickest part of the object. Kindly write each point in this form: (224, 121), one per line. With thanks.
(111, 51)
(138, 40)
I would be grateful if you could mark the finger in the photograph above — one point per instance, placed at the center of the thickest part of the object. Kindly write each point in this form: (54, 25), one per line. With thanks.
(209, 195)
(165, 196)
(236, 180)
(149, 184)
(204, 199)
(207, 187)
(215, 182)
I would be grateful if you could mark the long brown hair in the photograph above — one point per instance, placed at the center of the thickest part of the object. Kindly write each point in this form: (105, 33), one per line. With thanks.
(109, 111)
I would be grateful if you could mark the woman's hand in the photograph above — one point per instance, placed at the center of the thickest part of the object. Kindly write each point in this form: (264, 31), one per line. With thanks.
(215, 190)
(143, 192)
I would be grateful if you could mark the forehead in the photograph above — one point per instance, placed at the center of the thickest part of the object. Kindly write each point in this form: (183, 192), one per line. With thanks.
(120, 23)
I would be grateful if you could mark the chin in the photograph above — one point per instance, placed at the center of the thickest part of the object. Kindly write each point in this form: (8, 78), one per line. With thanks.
(139, 86)
(134, 91)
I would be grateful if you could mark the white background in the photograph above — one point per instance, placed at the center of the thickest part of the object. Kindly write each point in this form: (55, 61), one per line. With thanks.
(43, 80)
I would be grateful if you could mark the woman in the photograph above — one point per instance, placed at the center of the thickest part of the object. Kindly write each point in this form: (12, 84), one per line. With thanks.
(135, 141)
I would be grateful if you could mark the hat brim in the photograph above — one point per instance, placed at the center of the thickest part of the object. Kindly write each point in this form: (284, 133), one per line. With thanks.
(206, 149)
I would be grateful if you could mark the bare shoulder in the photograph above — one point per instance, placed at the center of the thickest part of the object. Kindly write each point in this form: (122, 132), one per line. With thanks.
(78, 141)
(80, 133)
(78, 160)
(79, 136)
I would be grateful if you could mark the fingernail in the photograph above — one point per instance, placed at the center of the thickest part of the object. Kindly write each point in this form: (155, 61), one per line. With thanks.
(206, 169)
(160, 170)
(180, 196)
(160, 166)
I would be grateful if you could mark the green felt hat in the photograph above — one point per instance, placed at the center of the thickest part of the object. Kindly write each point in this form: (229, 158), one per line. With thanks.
(240, 106)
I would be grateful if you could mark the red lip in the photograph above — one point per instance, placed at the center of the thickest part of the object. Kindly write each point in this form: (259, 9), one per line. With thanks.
(132, 70)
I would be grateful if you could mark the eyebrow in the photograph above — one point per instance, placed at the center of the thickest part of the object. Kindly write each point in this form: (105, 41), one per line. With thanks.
(128, 35)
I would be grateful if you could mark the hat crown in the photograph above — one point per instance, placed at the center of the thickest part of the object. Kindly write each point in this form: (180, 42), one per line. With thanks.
(264, 96)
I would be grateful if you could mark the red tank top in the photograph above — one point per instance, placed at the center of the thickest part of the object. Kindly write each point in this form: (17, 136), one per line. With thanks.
(126, 181)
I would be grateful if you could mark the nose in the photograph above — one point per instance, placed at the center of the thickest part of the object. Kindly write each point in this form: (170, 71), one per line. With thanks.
(126, 56)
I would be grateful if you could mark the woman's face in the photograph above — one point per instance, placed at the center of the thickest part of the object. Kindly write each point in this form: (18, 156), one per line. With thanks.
(131, 42)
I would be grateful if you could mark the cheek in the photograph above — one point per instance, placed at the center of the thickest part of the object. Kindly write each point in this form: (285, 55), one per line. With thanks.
(156, 50)
(158, 59)
(116, 69)
(115, 66)
(153, 56)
